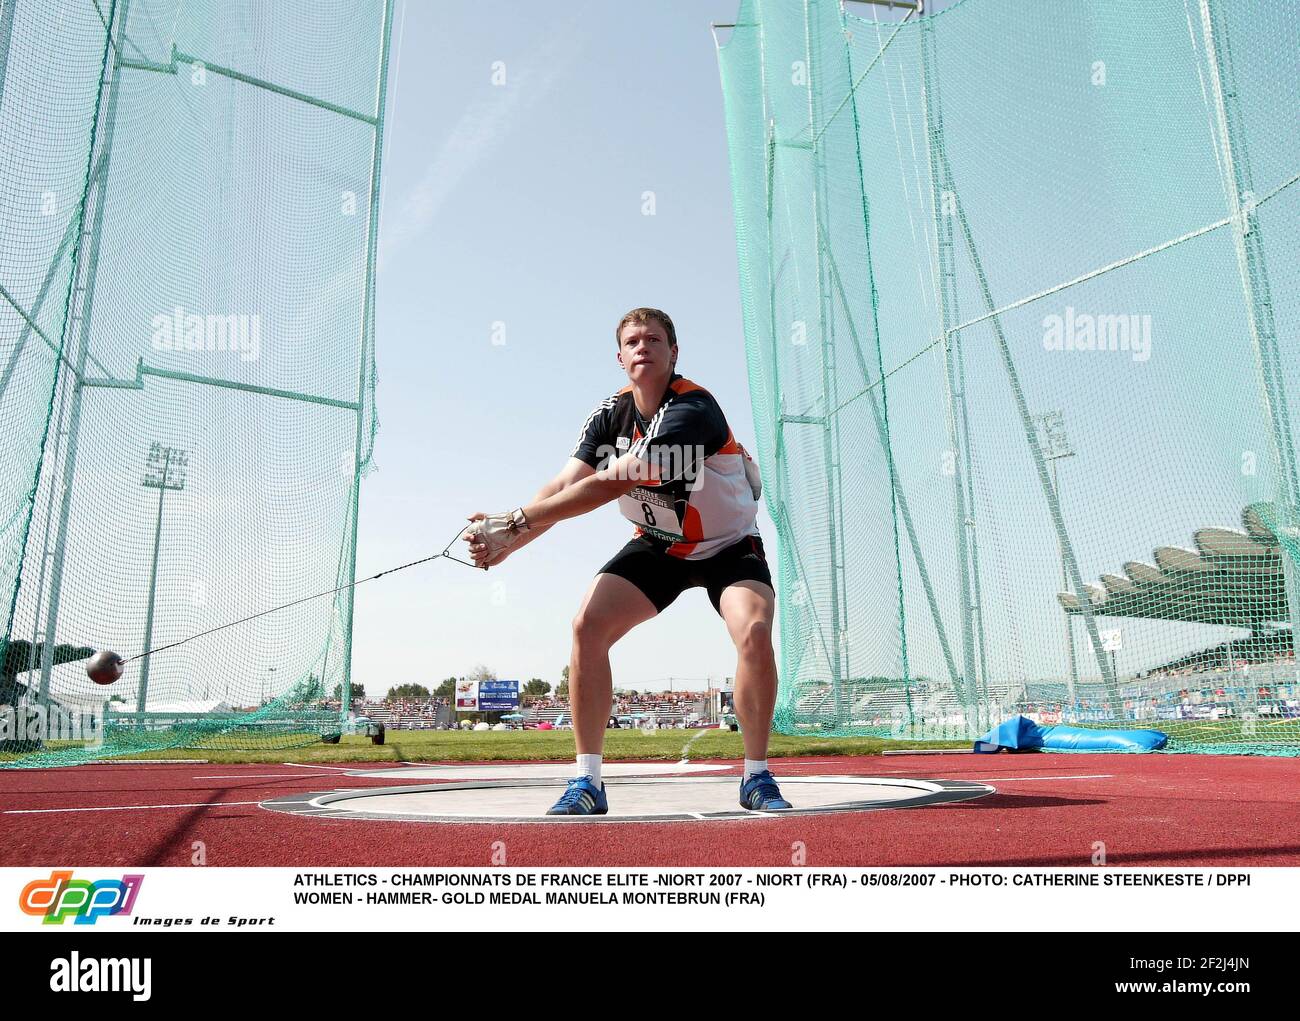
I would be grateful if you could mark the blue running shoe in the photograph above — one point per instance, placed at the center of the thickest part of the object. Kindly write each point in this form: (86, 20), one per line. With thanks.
(761, 794)
(581, 798)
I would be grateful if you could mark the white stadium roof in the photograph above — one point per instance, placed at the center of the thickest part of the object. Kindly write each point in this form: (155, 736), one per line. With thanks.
(1231, 577)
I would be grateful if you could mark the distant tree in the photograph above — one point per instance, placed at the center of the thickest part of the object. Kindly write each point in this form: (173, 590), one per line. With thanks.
(482, 673)
(309, 689)
(562, 689)
(409, 691)
(446, 689)
(358, 690)
(536, 688)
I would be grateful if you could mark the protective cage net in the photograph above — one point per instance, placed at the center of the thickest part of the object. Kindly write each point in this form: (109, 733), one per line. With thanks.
(188, 206)
(1021, 294)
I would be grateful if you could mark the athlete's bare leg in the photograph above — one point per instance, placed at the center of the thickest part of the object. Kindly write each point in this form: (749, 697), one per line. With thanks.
(612, 607)
(748, 608)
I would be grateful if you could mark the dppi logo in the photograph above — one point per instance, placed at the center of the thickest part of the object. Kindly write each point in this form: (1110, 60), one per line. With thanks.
(61, 896)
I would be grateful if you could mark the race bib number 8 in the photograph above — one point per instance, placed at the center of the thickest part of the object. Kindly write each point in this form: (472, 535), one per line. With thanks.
(653, 512)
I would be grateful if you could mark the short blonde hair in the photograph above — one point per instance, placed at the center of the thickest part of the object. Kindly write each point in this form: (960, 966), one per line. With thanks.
(641, 316)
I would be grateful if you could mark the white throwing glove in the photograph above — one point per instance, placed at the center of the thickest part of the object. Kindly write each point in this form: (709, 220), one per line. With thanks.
(499, 532)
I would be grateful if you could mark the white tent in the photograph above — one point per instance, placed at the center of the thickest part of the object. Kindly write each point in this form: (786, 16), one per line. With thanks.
(191, 707)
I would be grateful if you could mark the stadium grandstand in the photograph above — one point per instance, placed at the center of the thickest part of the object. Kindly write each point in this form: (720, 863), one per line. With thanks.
(402, 713)
(664, 709)
(677, 709)
(883, 706)
(1229, 578)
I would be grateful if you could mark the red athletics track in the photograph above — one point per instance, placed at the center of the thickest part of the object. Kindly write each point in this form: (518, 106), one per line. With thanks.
(1186, 810)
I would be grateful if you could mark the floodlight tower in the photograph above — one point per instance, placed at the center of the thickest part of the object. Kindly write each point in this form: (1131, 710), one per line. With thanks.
(1056, 446)
(165, 469)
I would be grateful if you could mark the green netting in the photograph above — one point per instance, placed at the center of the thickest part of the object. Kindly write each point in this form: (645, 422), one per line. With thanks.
(1020, 284)
(189, 199)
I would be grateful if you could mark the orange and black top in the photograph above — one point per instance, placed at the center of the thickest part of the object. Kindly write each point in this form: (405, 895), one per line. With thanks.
(703, 502)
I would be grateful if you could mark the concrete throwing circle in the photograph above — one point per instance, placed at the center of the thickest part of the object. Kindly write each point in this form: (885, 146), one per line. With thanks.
(657, 799)
(535, 770)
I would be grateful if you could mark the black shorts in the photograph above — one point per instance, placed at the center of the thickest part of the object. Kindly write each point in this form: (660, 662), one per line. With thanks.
(662, 578)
